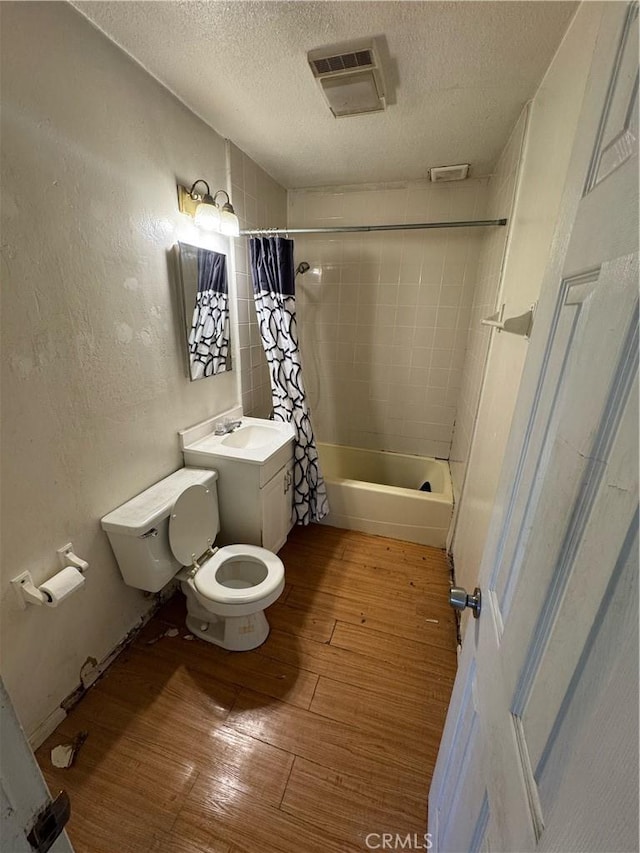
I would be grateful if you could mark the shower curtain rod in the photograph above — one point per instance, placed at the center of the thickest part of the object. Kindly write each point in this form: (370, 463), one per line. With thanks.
(349, 229)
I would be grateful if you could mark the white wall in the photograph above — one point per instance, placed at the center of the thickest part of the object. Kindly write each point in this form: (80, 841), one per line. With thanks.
(93, 380)
(259, 202)
(384, 316)
(548, 144)
(500, 202)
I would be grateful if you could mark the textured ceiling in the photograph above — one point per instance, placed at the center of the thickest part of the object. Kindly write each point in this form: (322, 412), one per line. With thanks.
(460, 73)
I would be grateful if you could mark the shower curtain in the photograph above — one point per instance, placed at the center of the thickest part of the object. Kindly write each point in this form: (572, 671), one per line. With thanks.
(273, 287)
(209, 335)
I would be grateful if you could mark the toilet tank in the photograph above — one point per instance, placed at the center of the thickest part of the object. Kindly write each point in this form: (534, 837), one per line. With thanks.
(139, 529)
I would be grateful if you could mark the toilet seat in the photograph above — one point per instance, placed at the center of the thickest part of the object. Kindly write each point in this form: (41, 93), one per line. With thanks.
(192, 528)
(209, 586)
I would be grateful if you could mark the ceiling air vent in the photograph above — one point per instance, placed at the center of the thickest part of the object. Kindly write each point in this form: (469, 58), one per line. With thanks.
(449, 173)
(342, 62)
(350, 77)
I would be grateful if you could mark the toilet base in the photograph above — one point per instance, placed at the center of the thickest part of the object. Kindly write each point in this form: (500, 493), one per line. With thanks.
(234, 633)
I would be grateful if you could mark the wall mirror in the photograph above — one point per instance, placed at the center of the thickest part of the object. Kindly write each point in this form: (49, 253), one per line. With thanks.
(205, 310)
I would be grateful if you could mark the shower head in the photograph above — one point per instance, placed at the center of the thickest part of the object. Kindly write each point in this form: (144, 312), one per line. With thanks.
(302, 267)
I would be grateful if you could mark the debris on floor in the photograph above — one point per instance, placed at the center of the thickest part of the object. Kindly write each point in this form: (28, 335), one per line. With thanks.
(435, 621)
(64, 755)
(188, 637)
(163, 632)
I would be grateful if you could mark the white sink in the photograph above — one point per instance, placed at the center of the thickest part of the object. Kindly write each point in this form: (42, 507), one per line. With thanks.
(255, 441)
(252, 437)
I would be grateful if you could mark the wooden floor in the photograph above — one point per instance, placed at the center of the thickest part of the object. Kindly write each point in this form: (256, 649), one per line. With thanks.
(326, 733)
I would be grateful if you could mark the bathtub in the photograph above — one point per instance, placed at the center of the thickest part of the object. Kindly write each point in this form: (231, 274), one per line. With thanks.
(378, 492)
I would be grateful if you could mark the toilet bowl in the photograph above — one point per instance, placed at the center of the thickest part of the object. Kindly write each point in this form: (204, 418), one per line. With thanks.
(228, 594)
(169, 531)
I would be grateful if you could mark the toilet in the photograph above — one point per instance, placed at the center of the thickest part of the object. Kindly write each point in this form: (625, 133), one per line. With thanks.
(169, 531)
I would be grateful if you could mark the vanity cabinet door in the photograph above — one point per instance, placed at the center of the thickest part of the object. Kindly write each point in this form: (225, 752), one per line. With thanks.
(276, 498)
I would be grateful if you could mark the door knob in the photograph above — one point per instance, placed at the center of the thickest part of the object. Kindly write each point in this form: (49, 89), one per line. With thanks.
(459, 599)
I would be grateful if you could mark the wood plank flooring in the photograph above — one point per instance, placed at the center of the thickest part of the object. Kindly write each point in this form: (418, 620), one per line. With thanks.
(326, 733)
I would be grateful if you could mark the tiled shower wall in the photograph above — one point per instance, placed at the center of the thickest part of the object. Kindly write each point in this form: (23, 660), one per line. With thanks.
(500, 201)
(384, 316)
(259, 202)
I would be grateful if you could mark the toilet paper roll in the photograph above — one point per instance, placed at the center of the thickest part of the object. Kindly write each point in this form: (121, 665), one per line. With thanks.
(61, 586)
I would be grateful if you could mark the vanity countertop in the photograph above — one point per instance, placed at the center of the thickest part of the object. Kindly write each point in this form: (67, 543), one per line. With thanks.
(255, 441)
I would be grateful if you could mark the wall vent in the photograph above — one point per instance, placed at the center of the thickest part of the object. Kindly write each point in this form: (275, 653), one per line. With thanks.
(350, 77)
(449, 173)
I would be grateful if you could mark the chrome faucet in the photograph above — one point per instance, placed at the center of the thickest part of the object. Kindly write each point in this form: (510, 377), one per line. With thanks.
(226, 427)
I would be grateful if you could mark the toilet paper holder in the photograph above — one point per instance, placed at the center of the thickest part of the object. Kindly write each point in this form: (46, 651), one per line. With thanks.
(66, 557)
(26, 590)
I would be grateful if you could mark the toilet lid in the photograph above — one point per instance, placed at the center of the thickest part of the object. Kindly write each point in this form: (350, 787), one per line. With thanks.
(192, 525)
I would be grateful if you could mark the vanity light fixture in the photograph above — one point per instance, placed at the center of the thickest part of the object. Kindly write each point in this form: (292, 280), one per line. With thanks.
(205, 210)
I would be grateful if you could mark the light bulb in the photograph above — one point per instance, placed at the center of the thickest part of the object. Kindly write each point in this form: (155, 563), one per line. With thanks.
(207, 216)
(229, 225)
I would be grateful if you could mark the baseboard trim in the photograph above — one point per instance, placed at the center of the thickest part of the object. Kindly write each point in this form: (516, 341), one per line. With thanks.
(46, 727)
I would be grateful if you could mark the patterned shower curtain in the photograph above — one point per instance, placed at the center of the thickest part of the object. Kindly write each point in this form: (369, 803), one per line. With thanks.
(209, 335)
(273, 287)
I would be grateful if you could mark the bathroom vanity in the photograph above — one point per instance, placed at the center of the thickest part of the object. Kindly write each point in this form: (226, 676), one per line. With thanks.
(254, 462)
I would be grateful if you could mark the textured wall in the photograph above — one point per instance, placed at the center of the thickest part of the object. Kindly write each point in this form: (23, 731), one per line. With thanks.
(93, 380)
(545, 162)
(384, 316)
(259, 202)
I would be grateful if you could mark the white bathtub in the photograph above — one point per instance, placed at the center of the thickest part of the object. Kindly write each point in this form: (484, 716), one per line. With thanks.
(378, 492)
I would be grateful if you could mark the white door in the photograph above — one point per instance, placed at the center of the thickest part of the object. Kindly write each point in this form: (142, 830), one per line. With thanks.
(540, 746)
(23, 792)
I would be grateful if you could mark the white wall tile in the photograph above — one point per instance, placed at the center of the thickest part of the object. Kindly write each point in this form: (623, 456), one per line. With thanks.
(447, 318)
(244, 336)
(441, 358)
(398, 300)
